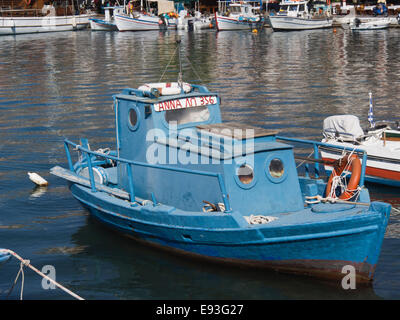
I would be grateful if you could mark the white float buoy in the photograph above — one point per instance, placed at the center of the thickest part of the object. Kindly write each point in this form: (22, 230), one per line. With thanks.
(34, 177)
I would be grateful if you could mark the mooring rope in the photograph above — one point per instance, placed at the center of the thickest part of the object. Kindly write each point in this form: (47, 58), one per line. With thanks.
(27, 263)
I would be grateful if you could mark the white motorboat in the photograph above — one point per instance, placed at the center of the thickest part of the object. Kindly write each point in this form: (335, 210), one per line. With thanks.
(373, 24)
(198, 22)
(298, 15)
(108, 23)
(46, 19)
(237, 16)
(381, 142)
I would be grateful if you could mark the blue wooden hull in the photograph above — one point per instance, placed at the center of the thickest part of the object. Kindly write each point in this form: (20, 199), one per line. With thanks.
(316, 241)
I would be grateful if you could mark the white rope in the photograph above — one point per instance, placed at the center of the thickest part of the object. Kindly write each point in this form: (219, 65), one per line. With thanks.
(259, 219)
(317, 199)
(28, 264)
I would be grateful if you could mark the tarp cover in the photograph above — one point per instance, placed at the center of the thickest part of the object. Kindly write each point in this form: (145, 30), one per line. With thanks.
(346, 126)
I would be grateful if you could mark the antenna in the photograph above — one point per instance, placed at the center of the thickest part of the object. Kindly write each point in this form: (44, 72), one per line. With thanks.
(371, 112)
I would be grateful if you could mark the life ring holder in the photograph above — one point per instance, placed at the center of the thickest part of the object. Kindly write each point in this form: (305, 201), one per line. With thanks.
(354, 164)
(167, 88)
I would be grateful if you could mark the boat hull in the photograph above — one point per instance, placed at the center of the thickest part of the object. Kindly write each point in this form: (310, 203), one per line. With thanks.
(102, 25)
(381, 167)
(321, 249)
(141, 23)
(23, 25)
(285, 23)
(226, 23)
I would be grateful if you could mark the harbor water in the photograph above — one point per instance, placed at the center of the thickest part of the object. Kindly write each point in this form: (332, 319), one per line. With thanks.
(60, 85)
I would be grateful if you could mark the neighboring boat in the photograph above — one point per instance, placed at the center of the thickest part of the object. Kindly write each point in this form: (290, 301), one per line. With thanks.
(140, 20)
(47, 18)
(183, 180)
(108, 23)
(237, 16)
(198, 22)
(375, 24)
(381, 143)
(296, 15)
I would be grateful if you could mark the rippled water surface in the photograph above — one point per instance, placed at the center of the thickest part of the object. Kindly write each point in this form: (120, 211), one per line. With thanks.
(61, 85)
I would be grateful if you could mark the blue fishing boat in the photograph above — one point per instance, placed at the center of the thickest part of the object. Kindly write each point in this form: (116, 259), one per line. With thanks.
(181, 179)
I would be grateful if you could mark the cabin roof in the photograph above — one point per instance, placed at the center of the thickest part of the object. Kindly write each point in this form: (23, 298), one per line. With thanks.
(236, 130)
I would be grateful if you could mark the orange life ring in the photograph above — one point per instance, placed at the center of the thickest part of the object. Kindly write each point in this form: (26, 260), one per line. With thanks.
(355, 176)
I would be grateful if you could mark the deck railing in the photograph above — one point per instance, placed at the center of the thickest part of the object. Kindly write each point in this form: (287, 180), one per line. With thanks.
(84, 148)
(316, 145)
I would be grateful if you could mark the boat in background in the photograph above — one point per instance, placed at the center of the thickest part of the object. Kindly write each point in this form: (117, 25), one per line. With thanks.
(108, 23)
(381, 142)
(181, 179)
(138, 19)
(299, 15)
(34, 16)
(198, 22)
(237, 15)
(374, 24)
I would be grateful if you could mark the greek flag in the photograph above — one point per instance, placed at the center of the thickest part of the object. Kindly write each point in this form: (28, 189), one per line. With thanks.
(371, 112)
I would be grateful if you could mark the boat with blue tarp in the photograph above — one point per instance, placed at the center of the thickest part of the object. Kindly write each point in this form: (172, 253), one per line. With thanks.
(181, 179)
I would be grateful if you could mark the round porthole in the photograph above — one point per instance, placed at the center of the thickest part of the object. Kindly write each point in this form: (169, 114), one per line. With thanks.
(244, 176)
(275, 169)
(133, 118)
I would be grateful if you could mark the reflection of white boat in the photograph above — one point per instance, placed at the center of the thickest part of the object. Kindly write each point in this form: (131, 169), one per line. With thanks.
(374, 24)
(236, 16)
(47, 19)
(296, 15)
(108, 23)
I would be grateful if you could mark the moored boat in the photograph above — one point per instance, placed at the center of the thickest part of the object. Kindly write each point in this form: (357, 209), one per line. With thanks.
(237, 15)
(181, 179)
(381, 142)
(138, 19)
(298, 15)
(374, 24)
(108, 23)
(37, 17)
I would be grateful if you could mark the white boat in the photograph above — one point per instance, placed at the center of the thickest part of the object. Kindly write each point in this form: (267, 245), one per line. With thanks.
(345, 20)
(297, 15)
(236, 16)
(47, 19)
(198, 22)
(373, 24)
(140, 20)
(108, 23)
(381, 143)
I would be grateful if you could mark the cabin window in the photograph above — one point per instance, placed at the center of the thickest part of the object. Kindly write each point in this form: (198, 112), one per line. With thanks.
(301, 7)
(245, 174)
(276, 169)
(293, 8)
(187, 115)
(133, 118)
(284, 8)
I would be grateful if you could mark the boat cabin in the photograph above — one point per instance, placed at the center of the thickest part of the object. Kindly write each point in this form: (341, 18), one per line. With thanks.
(187, 155)
(293, 8)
